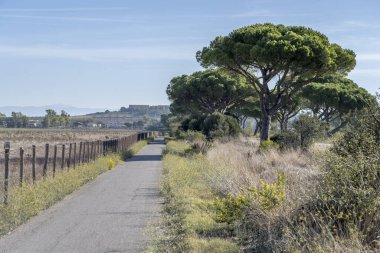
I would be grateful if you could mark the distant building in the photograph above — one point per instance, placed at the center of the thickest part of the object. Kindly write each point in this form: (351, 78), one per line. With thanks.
(94, 125)
(160, 107)
(33, 123)
(139, 107)
(78, 124)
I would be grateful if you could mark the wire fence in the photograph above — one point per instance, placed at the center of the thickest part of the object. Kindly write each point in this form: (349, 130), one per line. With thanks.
(33, 163)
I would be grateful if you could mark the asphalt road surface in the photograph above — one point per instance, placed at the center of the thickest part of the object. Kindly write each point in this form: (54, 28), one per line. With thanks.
(109, 214)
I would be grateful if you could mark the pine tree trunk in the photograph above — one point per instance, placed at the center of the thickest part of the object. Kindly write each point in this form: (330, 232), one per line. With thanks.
(265, 115)
(257, 127)
(265, 126)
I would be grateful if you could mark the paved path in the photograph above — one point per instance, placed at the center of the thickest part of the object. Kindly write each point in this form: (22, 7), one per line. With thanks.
(107, 215)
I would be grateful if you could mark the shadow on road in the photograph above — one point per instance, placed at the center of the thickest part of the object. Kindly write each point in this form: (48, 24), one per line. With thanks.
(158, 140)
(145, 158)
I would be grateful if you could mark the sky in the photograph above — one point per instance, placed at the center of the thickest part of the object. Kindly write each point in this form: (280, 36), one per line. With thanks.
(112, 53)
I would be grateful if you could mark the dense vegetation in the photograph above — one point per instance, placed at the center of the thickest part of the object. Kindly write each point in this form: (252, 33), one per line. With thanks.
(229, 192)
(277, 61)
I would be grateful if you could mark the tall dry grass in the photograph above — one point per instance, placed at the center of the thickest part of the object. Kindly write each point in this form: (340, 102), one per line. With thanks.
(238, 166)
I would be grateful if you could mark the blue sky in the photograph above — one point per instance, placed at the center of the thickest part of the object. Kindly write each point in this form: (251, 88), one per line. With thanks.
(111, 53)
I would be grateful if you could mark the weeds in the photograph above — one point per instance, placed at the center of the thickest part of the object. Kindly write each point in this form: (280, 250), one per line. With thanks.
(125, 155)
(188, 224)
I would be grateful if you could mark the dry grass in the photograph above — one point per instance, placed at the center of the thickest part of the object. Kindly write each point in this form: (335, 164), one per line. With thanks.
(196, 185)
(239, 166)
(27, 137)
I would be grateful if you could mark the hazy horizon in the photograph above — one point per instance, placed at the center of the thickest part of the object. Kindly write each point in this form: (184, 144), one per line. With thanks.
(39, 111)
(108, 54)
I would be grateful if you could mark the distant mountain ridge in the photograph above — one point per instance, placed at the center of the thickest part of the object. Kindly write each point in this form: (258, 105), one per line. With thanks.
(36, 111)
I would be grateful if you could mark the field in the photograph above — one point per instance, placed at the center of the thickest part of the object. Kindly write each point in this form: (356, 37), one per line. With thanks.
(28, 137)
(59, 139)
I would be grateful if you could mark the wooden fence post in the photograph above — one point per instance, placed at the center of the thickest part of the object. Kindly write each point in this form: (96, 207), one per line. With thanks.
(92, 151)
(6, 173)
(44, 170)
(54, 160)
(34, 163)
(75, 154)
(88, 152)
(80, 152)
(84, 153)
(69, 160)
(21, 166)
(63, 157)
(97, 148)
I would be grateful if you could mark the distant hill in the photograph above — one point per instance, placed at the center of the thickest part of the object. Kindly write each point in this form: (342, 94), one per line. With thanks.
(134, 113)
(36, 111)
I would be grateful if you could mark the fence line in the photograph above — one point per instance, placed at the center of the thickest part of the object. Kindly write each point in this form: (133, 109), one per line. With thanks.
(69, 158)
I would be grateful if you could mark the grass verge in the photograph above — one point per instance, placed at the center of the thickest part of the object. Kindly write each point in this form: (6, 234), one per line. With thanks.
(133, 150)
(28, 200)
(188, 224)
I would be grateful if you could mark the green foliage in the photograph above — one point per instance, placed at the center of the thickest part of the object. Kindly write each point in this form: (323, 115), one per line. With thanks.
(52, 119)
(230, 208)
(347, 199)
(363, 136)
(335, 95)
(287, 140)
(193, 123)
(268, 145)
(268, 195)
(272, 52)
(217, 125)
(207, 91)
(17, 120)
(298, 48)
(333, 98)
(308, 129)
(193, 136)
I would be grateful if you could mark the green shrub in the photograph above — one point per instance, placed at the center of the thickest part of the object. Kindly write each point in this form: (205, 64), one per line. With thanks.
(362, 138)
(268, 195)
(347, 202)
(268, 145)
(192, 136)
(193, 123)
(308, 129)
(218, 125)
(169, 138)
(230, 208)
(287, 140)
